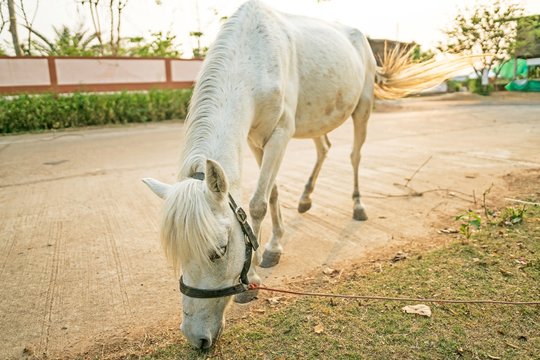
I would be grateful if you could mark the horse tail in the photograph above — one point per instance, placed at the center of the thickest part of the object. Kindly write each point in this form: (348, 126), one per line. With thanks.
(399, 76)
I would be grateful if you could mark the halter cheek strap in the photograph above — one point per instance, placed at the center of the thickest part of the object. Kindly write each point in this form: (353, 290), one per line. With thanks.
(251, 244)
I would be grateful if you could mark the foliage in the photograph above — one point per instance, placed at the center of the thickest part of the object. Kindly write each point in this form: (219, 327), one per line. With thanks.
(67, 42)
(475, 86)
(484, 29)
(161, 45)
(511, 216)
(455, 85)
(49, 111)
(114, 11)
(199, 52)
(534, 72)
(470, 221)
(418, 55)
(528, 37)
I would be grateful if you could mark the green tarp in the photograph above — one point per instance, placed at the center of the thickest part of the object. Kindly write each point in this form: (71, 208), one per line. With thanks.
(507, 69)
(524, 85)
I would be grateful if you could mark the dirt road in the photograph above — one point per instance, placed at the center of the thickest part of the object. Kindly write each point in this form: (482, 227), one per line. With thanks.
(79, 252)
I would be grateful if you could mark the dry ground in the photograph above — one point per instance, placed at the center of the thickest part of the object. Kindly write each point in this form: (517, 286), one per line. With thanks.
(80, 262)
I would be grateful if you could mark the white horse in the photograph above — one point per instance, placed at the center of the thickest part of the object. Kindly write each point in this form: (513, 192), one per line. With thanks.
(268, 77)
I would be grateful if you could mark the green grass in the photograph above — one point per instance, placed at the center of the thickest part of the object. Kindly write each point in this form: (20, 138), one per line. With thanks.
(498, 262)
(45, 112)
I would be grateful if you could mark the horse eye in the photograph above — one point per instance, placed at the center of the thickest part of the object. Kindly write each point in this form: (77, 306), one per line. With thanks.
(218, 254)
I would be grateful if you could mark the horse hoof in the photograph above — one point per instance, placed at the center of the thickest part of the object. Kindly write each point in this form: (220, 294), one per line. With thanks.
(246, 297)
(269, 259)
(303, 207)
(360, 215)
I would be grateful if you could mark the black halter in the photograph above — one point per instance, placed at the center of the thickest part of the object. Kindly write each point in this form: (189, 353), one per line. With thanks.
(251, 244)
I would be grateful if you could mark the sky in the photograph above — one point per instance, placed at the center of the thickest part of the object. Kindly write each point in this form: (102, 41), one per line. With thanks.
(404, 20)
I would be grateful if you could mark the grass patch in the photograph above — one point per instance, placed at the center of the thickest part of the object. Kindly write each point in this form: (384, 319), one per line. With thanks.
(497, 262)
(49, 111)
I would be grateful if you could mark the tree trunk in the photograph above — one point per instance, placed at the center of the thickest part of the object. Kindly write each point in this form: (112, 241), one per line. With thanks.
(13, 28)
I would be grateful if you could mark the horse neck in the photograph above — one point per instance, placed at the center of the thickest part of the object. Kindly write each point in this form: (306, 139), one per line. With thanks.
(222, 108)
(217, 131)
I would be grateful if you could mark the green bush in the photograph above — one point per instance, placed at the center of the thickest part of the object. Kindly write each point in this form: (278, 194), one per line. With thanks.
(49, 111)
(475, 86)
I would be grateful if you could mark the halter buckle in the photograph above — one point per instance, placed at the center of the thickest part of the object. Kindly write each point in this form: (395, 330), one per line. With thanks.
(241, 215)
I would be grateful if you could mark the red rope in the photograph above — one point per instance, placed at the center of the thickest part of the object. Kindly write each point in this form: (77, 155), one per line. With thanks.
(388, 298)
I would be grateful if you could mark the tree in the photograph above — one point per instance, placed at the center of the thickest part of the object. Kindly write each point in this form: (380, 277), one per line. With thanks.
(67, 42)
(159, 46)
(484, 29)
(199, 52)
(13, 27)
(115, 10)
(418, 55)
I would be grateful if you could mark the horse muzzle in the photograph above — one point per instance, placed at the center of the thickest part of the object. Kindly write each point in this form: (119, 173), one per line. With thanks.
(201, 338)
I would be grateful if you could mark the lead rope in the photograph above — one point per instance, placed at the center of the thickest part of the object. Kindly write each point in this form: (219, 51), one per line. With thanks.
(389, 298)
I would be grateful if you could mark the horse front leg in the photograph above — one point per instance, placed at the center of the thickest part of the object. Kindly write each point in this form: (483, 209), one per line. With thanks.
(274, 150)
(275, 213)
(322, 144)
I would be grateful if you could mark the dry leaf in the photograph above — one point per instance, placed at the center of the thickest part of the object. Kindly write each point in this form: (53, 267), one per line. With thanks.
(319, 329)
(447, 231)
(419, 309)
(259, 311)
(330, 271)
(399, 256)
(274, 300)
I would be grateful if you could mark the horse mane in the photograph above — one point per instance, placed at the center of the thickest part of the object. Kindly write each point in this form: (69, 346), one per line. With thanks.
(188, 226)
(210, 86)
(189, 229)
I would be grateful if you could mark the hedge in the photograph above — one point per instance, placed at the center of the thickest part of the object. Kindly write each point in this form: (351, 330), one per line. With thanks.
(49, 111)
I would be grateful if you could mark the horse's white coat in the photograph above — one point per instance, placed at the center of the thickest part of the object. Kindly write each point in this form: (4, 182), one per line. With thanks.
(268, 77)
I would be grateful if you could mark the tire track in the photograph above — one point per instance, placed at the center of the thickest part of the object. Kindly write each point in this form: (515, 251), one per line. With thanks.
(117, 262)
(52, 288)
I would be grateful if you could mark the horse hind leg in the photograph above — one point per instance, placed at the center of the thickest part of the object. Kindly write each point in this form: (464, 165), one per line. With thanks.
(322, 144)
(360, 118)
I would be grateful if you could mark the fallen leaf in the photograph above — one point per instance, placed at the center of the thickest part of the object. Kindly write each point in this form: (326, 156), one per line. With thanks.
(419, 309)
(319, 329)
(274, 300)
(259, 311)
(399, 256)
(447, 231)
(331, 272)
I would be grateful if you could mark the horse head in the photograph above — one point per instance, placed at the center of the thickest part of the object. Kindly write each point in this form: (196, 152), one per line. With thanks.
(200, 233)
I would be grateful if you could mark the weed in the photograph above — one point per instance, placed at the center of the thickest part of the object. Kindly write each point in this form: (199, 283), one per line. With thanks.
(511, 216)
(469, 220)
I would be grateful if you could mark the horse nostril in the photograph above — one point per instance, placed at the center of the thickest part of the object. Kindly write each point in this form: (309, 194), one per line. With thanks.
(205, 343)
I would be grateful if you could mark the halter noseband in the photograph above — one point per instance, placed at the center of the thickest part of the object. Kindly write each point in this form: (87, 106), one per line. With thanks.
(251, 244)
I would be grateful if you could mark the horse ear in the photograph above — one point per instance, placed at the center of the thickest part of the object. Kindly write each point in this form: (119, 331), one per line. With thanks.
(215, 178)
(159, 188)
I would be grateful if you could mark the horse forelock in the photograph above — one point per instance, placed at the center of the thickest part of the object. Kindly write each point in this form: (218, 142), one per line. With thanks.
(189, 228)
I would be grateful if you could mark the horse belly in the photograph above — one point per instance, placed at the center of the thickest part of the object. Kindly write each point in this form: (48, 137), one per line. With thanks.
(330, 84)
